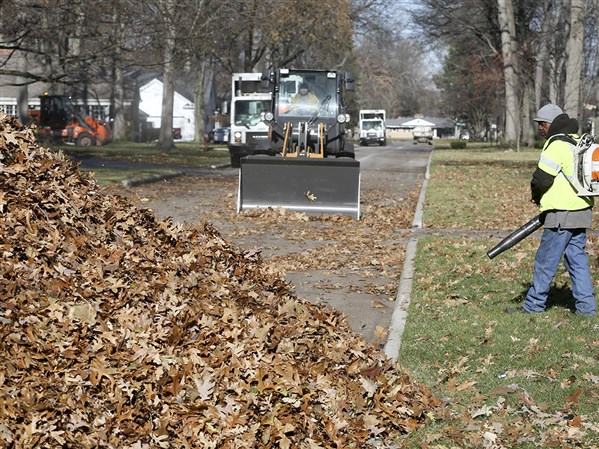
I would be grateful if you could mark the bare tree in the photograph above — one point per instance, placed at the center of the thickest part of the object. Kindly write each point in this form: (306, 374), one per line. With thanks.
(204, 77)
(531, 39)
(508, 50)
(197, 34)
(391, 74)
(168, 9)
(119, 127)
(63, 45)
(595, 121)
(74, 45)
(575, 58)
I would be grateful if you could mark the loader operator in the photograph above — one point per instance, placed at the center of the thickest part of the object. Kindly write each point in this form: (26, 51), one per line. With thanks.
(304, 102)
(566, 217)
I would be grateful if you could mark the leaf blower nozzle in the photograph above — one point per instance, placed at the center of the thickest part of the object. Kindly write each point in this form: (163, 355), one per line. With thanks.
(518, 235)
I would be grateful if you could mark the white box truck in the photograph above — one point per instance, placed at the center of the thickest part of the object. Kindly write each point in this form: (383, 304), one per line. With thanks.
(373, 127)
(249, 134)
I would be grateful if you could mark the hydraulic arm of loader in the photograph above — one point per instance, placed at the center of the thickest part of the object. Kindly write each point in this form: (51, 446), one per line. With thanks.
(303, 142)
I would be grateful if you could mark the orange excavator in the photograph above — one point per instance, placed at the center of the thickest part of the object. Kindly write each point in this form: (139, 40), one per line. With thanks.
(58, 120)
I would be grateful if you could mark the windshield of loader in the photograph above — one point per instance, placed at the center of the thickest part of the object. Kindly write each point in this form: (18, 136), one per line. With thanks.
(304, 95)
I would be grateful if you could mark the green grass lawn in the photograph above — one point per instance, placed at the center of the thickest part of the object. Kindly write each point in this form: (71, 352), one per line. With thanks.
(482, 189)
(516, 381)
(189, 155)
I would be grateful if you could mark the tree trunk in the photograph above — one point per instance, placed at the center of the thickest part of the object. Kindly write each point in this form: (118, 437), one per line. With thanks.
(199, 111)
(595, 122)
(165, 141)
(540, 73)
(119, 125)
(75, 50)
(135, 119)
(560, 17)
(574, 61)
(528, 131)
(507, 27)
(542, 56)
(23, 93)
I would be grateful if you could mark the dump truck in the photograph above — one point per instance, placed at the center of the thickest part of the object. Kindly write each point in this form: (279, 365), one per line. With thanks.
(313, 167)
(59, 120)
(249, 133)
(372, 123)
(423, 134)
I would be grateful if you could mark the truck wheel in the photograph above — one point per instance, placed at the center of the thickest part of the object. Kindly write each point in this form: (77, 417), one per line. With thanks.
(85, 140)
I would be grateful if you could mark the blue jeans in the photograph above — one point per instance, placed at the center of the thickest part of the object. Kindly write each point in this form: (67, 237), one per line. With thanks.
(554, 243)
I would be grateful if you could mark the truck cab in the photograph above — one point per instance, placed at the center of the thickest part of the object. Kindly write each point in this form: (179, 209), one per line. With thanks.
(373, 127)
(248, 134)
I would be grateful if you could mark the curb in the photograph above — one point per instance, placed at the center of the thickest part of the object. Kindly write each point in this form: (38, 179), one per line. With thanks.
(402, 300)
(156, 178)
(218, 166)
(149, 179)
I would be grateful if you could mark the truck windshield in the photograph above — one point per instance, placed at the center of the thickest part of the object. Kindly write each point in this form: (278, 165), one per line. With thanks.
(304, 95)
(377, 125)
(247, 112)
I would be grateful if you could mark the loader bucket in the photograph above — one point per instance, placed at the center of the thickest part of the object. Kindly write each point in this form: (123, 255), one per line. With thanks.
(311, 185)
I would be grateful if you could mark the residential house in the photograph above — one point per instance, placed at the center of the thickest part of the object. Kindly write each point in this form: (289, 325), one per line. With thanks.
(403, 127)
(150, 105)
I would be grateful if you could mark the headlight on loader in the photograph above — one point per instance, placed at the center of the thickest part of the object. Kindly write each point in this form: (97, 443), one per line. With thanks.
(269, 116)
(343, 118)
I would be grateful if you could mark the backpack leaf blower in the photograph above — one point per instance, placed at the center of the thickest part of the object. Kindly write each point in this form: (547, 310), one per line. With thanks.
(517, 236)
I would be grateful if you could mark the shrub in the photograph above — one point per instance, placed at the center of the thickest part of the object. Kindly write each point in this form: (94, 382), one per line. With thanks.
(458, 145)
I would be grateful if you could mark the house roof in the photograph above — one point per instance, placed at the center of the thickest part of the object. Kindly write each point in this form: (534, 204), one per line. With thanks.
(180, 87)
(410, 122)
(417, 122)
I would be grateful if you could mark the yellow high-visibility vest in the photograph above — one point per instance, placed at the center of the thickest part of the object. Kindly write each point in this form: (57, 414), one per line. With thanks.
(557, 160)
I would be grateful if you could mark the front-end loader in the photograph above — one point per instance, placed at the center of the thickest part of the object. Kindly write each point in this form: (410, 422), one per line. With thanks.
(314, 169)
(59, 120)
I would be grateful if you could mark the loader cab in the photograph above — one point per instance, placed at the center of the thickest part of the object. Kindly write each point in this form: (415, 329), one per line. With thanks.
(60, 120)
(55, 111)
(306, 95)
(317, 123)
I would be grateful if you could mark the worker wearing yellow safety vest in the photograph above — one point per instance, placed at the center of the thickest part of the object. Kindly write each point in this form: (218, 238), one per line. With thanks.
(304, 101)
(566, 216)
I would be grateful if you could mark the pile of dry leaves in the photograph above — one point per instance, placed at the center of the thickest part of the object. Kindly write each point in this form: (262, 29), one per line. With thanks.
(121, 330)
